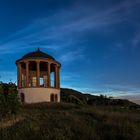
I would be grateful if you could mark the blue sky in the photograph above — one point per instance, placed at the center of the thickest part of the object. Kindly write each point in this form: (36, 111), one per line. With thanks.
(97, 42)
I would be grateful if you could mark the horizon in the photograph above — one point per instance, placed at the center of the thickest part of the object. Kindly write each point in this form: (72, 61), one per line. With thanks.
(97, 43)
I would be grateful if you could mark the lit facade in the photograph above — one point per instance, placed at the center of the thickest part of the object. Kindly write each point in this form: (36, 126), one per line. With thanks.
(38, 78)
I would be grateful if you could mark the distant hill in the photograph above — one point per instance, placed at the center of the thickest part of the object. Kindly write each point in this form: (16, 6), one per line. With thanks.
(70, 95)
(78, 116)
(73, 96)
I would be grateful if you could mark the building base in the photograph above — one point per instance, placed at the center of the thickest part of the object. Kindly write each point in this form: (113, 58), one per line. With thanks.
(37, 95)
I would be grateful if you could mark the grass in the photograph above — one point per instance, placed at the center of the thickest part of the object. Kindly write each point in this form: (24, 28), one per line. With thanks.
(67, 121)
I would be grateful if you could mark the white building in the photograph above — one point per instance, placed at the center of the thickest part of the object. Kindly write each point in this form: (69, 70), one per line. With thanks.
(38, 78)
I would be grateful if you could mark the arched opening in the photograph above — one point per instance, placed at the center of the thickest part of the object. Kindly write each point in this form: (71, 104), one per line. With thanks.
(52, 98)
(56, 98)
(22, 97)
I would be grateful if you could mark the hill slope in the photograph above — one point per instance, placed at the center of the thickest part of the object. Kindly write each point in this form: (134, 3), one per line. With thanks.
(78, 116)
(68, 121)
(70, 95)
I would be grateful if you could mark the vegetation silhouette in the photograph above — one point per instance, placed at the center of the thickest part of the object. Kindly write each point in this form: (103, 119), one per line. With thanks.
(78, 116)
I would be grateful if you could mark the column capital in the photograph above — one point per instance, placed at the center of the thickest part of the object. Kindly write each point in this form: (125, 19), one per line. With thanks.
(49, 62)
(18, 63)
(37, 61)
(25, 61)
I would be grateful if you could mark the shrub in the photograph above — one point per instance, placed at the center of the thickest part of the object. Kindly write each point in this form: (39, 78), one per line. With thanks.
(9, 103)
(3, 106)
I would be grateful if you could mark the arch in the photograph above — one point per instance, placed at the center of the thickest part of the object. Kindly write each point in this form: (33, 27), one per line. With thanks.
(56, 98)
(52, 98)
(22, 97)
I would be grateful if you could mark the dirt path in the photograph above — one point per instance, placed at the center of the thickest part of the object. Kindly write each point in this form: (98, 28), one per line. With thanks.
(9, 122)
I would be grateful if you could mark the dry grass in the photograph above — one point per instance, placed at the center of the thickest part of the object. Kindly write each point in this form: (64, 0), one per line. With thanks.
(10, 121)
(72, 122)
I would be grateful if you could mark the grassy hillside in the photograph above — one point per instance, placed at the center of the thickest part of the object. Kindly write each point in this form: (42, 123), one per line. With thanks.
(67, 121)
(78, 116)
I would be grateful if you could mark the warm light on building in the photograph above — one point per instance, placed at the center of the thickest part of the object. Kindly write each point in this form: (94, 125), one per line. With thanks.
(34, 78)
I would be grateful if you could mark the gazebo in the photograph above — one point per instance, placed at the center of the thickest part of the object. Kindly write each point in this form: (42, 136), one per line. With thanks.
(38, 78)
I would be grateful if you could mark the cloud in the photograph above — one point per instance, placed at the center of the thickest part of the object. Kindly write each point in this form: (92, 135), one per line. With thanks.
(65, 28)
(63, 33)
(70, 79)
(71, 56)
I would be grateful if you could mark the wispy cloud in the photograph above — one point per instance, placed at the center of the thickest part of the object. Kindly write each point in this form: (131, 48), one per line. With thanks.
(70, 79)
(66, 32)
(64, 26)
(72, 56)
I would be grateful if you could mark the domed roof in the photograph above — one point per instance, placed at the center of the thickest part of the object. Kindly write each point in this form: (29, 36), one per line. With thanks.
(37, 54)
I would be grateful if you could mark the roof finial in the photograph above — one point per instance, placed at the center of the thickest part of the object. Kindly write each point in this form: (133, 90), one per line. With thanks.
(38, 49)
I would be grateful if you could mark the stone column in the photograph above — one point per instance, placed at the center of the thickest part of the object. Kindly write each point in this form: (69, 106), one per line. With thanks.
(59, 77)
(27, 74)
(38, 73)
(56, 77)
(19, 76)
(48, 76)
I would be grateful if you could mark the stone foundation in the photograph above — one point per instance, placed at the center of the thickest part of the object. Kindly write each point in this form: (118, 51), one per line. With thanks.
(37, 95)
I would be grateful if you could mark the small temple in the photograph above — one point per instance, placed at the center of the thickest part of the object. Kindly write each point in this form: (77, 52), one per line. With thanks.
(38, 78)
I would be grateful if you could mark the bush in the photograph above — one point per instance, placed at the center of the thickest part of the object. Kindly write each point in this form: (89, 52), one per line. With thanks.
(9, 104)
(3, 106)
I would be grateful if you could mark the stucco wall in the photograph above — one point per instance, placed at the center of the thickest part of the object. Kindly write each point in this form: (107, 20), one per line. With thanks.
(36, 95)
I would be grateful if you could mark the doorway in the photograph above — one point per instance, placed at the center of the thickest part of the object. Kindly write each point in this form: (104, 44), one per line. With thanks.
(22, 97)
